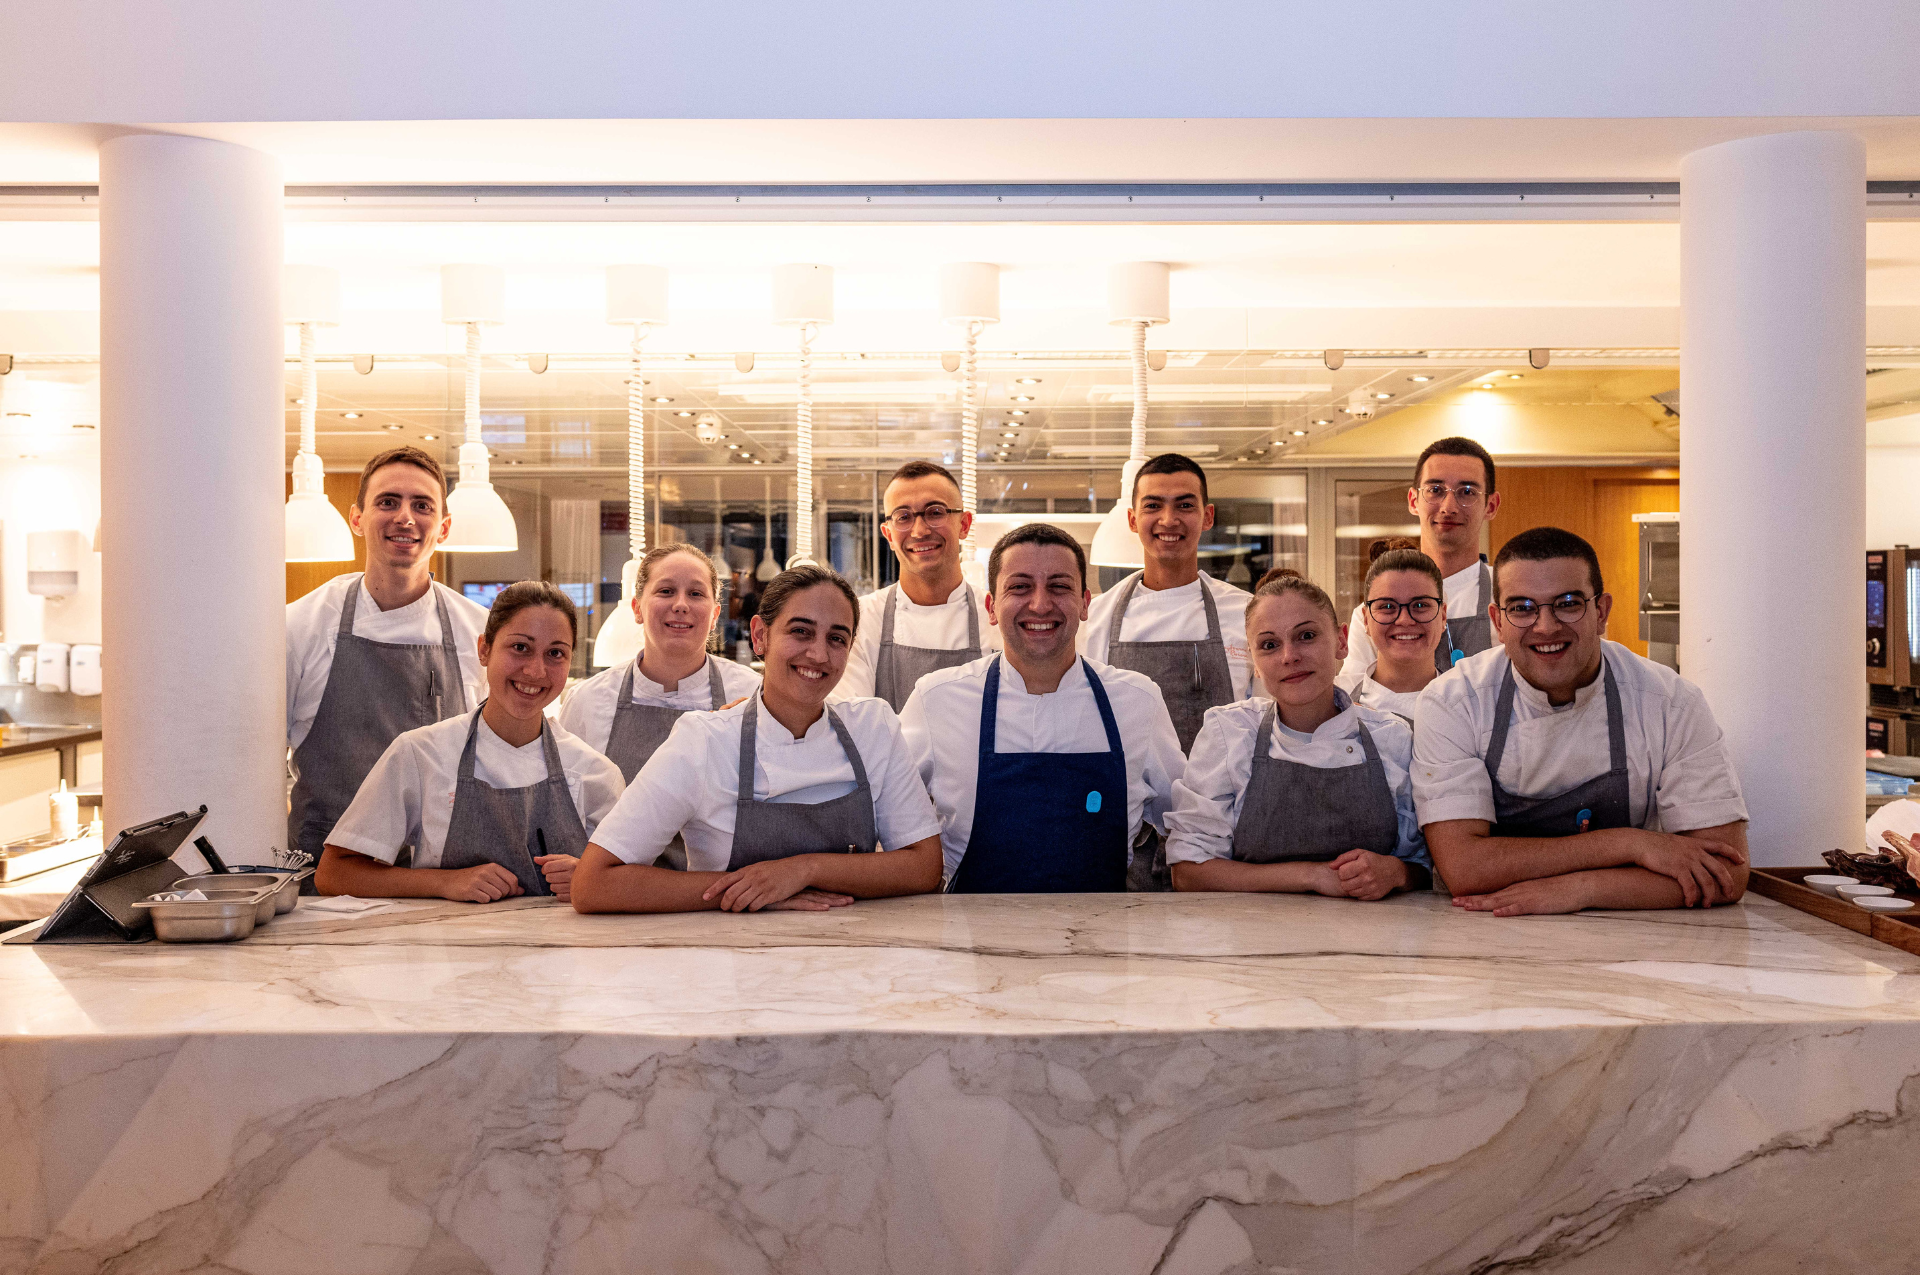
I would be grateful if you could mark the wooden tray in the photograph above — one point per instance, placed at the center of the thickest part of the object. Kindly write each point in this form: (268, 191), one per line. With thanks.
(1783, 884)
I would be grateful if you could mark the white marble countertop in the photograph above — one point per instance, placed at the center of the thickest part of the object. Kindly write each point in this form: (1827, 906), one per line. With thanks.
(971, 964)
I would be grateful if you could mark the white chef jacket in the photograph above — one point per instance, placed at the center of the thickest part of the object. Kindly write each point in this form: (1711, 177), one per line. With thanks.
(1176, 615)
(1462, 590)
(407, 798)
(942, 627)
(1208, 798)
(589, 707)
(941, 722)
(692, 782)
(1679, 774)
(1373, 695)
(313, 625)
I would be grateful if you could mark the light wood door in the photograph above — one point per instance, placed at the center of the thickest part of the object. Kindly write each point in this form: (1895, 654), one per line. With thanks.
(1616, 538)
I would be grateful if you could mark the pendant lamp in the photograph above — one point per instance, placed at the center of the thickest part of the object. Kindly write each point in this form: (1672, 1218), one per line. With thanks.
(769, 565)
(310, 297)
(472, 296)
(1136, 296)
(803, 299)
(970, 296)
(636, 295)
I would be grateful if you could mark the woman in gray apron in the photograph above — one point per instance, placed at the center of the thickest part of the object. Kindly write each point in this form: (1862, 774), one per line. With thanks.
(496, 803)
(1309, 793)
(1405, 615)
(780, 800)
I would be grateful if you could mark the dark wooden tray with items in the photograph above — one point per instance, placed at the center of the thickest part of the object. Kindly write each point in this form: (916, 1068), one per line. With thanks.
(1901, 930)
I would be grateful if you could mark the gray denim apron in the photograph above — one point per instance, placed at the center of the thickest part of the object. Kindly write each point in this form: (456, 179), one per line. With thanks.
(1193, 677)
(509, 826)
(780, 829)
(639, 729)
(898, 669)
(1605, 801)
(376, 692)
(1294, 812)
(1470, 634)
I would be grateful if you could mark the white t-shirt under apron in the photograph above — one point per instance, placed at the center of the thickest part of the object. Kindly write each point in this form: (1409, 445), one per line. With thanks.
(407, 798)
(589, 707)
(692, 783)
(1176, 615)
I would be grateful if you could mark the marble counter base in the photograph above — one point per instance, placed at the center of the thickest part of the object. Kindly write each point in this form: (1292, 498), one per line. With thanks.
(1180, 1085)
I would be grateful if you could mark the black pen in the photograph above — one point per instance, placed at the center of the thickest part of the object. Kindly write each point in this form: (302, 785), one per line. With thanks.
(541, 834)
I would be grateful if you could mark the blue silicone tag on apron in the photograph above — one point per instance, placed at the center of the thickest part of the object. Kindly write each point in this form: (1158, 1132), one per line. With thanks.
(1093, 803)
(1458, 656)
(1585, 817)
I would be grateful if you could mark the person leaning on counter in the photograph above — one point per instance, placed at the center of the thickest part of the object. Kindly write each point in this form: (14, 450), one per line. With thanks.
(779, 797)
(1403, 616)
(495, 804)
(1453, 496)
(1308, 791)
(1043, 765)
(1560, 771)
(932, 619)
(372, 655)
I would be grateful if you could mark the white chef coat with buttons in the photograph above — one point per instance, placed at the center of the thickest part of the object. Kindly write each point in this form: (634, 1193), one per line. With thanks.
(1370, 693)
(1208, 798)
(941, 722)
(313, 626)
(407, 798)
(941, 627)
(1176, 615)
(1463, 599)
(692, 782)
(589, 707)
(1680, 776)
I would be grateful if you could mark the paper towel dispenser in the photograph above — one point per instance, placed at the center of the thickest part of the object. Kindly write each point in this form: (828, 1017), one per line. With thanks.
(53, 562)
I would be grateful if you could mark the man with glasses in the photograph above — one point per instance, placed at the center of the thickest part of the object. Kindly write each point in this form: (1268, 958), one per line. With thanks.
(1453, 497)
(1559, 771)
(932, 619)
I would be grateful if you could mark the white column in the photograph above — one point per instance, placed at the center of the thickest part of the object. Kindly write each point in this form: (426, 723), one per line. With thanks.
(192, 484)
(1773, 475)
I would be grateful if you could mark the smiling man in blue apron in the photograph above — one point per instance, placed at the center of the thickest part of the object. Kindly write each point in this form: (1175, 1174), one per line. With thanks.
(932, 618)
(1043, 765)
(1454, 498)
(1560, 771)
(373, 655)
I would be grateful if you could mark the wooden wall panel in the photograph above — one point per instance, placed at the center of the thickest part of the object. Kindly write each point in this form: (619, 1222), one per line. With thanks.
(1616, 538)
(304, 577)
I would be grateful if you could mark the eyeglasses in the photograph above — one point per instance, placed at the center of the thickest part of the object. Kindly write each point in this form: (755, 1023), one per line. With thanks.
(1419, 610)
(1436, 493)
(935, 516)
(1524, 613)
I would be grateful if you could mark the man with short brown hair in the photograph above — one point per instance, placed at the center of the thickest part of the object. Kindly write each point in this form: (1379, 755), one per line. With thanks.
(373, 654)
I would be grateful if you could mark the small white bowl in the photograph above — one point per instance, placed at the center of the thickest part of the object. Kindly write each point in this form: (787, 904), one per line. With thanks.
(1862, 891)
(1829, 886)
(1878, 903)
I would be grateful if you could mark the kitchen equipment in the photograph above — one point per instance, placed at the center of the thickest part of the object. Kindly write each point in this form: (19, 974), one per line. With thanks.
(207, 852)
(224, 914)
(274, 883)
(138, 863)
(53, 562)
(50, 666)
(1660, 586)
(44, 853)
(83, 669)
(1893, 616)
(288, 896)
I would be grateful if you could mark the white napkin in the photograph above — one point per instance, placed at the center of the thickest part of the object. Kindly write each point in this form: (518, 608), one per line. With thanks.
(345, 904)
(1901, 816)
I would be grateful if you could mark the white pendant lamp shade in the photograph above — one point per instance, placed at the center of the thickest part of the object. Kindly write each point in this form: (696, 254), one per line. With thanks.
(637, 294)
(620, 637)
(802, 293)
(1137, 296)
(481, 522)
(310, 297)
(969, 292)
(803, 298)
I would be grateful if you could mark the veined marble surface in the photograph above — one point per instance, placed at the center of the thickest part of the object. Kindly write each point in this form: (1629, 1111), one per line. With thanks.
(1187, 1085)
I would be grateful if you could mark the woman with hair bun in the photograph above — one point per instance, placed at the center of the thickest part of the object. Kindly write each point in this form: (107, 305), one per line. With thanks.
(495, 803)
(779, 799)
(1404, 610)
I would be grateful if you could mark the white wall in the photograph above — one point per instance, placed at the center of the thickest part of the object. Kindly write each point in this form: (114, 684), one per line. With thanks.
(1893, 497)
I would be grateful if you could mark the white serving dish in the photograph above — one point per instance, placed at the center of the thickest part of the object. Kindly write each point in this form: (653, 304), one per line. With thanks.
(1863, 891)
(1881, 903)
(1829, 885)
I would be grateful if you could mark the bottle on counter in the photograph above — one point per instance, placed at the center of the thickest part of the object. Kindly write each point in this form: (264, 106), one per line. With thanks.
(63, 813)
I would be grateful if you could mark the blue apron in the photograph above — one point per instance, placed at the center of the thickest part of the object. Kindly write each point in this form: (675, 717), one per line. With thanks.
(1046, 823)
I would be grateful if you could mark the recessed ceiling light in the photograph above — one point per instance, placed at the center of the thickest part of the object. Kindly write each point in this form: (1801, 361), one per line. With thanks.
(1023, 398)
(516, 462)
(1383, 397)
(1321, 421)
(661, 398)
(1513, 376)
(299, 402)
(1299, 433)
(1018, 411)
(1423, 379)
(1026, 380)
(1009, 434)
(431, 438)
(683, 413)
(393, 428)
(1487, 386)
(733, 447)
(352, 416)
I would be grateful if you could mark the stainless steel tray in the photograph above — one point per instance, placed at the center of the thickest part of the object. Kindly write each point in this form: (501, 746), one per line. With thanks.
(226, 914)
(285, 887)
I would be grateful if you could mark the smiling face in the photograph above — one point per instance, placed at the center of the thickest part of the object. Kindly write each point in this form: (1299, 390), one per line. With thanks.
(1038, 603)
(1168, 515)
(403, 518)
(1297, 648)
(924, 550)
(1554, 656)
(676, 605)
(1405, 641)
(805, 648)
(527, 661)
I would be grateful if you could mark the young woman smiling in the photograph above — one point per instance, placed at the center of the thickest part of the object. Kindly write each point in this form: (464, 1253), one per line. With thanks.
(1307, 793)
(1405, 615)
(778, 797)
(495, 803)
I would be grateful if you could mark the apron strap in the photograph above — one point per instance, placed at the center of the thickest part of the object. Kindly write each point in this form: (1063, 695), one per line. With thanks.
(973, 617)
(1263, 738)
(1213, 612)
(886, 615)
(465, 771)
(349, 605)
(1366, 743)
(624, 696)
(1120, 607)
(1616, 721)
(748, 730)
(716, 685)
(989, 715)
(1502, 712)
(446, 623)
(1106, 709)
(556, 773)
(853, 754)
(1485, 594)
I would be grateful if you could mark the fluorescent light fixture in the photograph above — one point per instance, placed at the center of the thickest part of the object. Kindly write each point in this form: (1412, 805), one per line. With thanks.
(1299, 433)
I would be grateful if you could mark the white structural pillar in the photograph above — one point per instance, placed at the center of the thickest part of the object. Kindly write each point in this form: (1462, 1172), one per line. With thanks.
(192, 484)
(1773, 475)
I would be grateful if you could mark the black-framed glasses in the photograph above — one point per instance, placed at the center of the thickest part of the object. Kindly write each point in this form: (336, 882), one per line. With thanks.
(1524, 613)
(1467, 494)
(1420, 610)
(935, 516)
